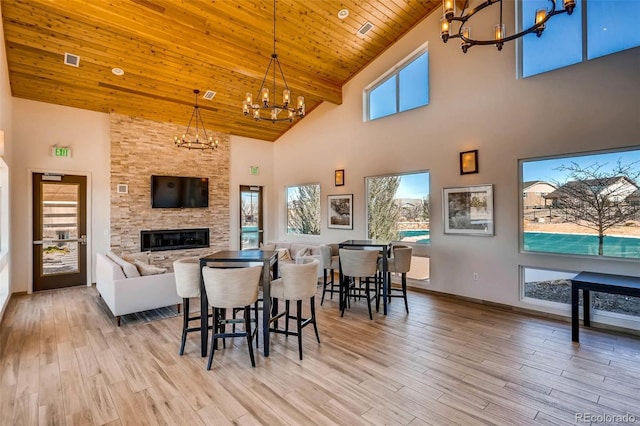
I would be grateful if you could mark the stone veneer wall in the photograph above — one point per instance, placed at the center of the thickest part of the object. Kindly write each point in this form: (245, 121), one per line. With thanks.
(141, 148)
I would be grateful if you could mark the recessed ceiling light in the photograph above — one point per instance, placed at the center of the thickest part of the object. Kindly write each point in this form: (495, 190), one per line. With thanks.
(343, 13)
(117, 71)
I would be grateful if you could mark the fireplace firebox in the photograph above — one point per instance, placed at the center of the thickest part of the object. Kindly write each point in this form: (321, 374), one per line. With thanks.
(174, 239)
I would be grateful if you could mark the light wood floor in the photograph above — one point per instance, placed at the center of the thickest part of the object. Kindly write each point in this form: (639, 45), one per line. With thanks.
(62, 361)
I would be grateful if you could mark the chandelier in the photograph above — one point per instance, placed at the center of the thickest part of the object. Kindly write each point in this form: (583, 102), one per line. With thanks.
(263, 109)
(500, 35)
(190, 141)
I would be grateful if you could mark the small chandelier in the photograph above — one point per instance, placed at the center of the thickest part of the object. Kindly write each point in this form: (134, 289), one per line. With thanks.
(194, 141)
(271, 111)
(500, 35)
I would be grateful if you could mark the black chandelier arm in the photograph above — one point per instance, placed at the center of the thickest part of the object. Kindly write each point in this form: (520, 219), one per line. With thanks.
(284, 80)
(266, 75)
(472, 12)
(530, 30)
(204, 130)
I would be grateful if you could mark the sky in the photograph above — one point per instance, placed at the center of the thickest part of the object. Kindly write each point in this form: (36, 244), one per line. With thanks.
(415, 185)
(545, 169)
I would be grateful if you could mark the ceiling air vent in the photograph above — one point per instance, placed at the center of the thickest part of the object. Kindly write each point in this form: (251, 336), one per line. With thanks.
(71, 59)
(364, 29)
(209, 94)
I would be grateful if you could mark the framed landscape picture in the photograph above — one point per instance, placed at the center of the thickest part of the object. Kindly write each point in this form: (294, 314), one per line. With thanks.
(340, 211)
(468, 210)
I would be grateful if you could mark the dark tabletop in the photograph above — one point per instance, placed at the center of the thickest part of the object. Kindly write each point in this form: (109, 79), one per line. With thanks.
(242, 255)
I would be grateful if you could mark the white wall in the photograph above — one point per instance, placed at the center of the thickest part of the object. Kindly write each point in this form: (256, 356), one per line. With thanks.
(475, 103)
(244, 154)
(37, 127)
(5, 164)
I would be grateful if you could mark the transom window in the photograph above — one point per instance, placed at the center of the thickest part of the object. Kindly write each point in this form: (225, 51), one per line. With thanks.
(404, 87)
(595, 28)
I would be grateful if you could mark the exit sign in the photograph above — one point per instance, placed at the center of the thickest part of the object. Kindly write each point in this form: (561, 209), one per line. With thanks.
(254, 170)
(61, 151)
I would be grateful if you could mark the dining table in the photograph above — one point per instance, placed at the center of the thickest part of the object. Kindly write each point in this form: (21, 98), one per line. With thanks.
(374, 244)
(240, 259)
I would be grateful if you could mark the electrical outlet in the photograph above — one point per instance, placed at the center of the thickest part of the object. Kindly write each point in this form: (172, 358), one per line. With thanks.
(475, 276)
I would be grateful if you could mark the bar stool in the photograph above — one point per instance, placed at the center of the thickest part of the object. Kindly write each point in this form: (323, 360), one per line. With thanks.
(361, 264)
(330, 262)
(297, 282)
(400, 263)
(228, 289)
(187, 275)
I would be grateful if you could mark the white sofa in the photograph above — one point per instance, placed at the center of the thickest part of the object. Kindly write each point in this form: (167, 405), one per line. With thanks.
(294, 250)
(126, 295)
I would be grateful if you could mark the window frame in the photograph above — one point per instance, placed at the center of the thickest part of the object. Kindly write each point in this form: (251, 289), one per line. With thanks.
(394, 72)
(366, 203)
(286, 207)
(521, 207)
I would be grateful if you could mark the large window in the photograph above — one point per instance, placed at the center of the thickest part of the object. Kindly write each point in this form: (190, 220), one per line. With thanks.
(404, 87)
(552, 288)
(303, 209)
(591, 206)
(398, 207)
(596, 28)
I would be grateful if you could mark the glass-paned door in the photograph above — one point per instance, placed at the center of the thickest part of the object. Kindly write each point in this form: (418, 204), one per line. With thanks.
(59, 231)
(251, 230)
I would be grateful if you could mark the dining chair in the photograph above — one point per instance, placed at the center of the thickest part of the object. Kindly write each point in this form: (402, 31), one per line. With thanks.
(363, 265)
(187, 276)
(330, 263)
(400, 263)
(297, 282)
(227, 289)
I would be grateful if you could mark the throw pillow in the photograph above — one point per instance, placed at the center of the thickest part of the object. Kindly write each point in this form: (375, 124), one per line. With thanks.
(268, 247)
(129, 269)
(303, 252)
(141, 256)
(283, 254)
(146, 269)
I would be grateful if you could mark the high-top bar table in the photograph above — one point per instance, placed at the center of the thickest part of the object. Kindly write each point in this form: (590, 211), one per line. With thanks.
(238, 259)
(604, 283)
(381, 245)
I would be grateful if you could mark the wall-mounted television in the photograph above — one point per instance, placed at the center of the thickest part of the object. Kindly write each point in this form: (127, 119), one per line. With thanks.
(179, 192)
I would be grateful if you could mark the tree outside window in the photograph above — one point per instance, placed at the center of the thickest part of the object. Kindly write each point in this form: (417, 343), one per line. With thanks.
(303, 209)
(398, 207)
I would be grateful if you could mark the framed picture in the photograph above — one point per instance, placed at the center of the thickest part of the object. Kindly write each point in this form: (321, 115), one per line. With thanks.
(340, 209)
(468, 210)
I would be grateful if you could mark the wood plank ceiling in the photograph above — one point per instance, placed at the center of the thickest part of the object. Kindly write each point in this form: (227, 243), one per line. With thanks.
(168, 48)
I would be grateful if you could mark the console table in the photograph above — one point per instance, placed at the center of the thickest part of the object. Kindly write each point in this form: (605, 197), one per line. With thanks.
(604, 283)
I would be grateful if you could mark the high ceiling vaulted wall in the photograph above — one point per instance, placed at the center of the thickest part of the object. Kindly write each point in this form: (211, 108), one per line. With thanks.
(167, 48)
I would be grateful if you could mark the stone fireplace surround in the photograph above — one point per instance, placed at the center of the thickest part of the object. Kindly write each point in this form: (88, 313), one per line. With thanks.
(141, 148)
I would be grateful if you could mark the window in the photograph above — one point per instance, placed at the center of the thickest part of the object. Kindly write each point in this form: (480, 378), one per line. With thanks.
(398, 207)
(303, 209)
(549, 287)
(591, 208)
(610, 27)
(404, 87)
